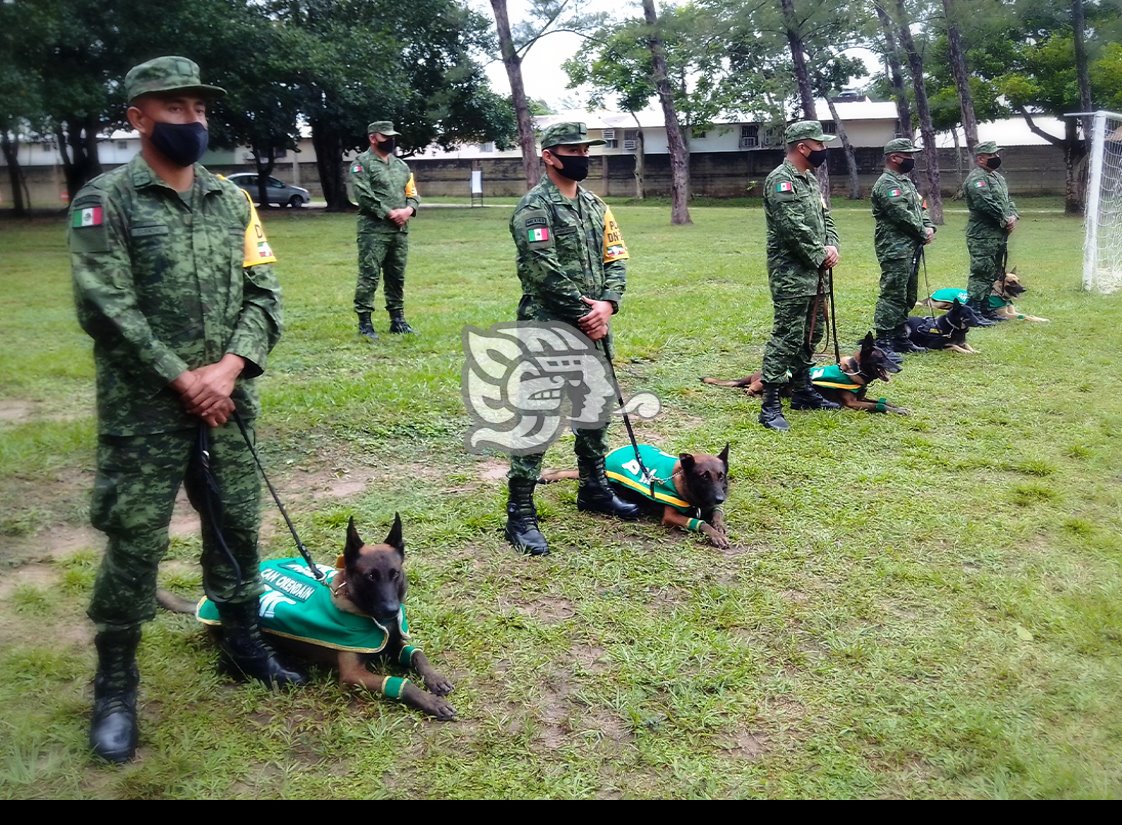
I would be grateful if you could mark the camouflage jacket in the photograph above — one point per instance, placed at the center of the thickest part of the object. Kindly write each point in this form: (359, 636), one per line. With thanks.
(566, 250)
(987, 198)
(799, 227)
(381, 186)
(163, 287)
(900, 214)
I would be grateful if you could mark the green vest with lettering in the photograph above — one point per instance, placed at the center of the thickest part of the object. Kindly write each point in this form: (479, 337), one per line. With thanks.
(297, 606)
(834, 377)
(621, 467)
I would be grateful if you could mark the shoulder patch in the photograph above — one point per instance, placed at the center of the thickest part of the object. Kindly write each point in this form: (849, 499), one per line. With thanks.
(87, 231)
(784, 186)
(532, 228)
(980, 183)
(895, 192)
(356, 168)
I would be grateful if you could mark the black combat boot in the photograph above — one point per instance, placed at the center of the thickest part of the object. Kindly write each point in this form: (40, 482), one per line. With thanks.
(398, 324)
(245, 653)
(771, 413)
(365, 327)
(806, 396)
(904, 345)
(113, 728)
(522, 519)
(596, 495)
(984, 319)
(885, 340)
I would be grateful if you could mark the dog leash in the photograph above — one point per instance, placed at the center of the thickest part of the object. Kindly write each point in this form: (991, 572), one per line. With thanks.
(830, 313)
(316, 572)
(647, 474)
(212, 502)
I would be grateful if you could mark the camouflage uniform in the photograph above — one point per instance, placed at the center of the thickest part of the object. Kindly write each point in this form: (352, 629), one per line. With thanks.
(381, 186)
(987, 235)
(901, 228)
(799, 226)
(167, 282)
(561, 257)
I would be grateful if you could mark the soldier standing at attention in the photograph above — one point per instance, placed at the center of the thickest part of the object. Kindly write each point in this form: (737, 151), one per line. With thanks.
(902, 227)
(572, 265)
(172, 280)
(387, 201)
(993, 218)
(802, 244)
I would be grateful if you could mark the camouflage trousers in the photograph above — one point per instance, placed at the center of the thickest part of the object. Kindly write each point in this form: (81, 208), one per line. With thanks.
(986, 256)
(589, 445)
(137, 480)
(788, 352)
(899, 289)
(381, 253)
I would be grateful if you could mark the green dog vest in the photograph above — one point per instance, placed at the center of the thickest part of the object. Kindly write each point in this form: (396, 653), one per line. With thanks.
(297, 606)
(621, 467)
(834, 377)
(950, 293)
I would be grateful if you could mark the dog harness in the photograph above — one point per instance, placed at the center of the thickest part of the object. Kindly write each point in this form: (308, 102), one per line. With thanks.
(294, 605)
(834, 377)
(621, 467)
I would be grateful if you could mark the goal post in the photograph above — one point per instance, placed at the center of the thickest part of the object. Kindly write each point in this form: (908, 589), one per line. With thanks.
(1102, 245)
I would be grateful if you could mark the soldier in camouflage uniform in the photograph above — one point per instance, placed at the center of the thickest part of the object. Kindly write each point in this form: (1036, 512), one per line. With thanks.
(571, 261)
(387, 201)
(802, 244)
(172, 280)
(902, 227)
(993, 218)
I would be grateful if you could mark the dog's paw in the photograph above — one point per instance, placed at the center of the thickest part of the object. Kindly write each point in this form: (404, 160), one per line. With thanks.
(899, 411)
(439, 685)
(440, 709)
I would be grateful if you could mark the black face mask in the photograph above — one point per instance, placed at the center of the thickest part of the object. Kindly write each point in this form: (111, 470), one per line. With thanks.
(181, 143)
(387, 146)
(907, 165)
(817, 157)
(993, 162)
(573, 167)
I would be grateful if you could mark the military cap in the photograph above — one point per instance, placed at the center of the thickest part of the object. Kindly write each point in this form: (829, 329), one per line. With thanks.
(901, 145)
(987, 148)
(162, 75)
(568, 134)
(381, 127)
(805, 130)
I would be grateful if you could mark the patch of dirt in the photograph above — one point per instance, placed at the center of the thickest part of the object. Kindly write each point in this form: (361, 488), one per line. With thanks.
(796, 596)
(750, 745)
(43, 576)
(546, 609)
(553, 713)
(19, 411)
(593, 660)
(493, 470)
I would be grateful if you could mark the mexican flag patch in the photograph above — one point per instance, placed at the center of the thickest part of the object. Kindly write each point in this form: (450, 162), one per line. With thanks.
(894, 193)
(540, 233)
(356, 168)
(980, 184)
(86, 217)
(785, 186)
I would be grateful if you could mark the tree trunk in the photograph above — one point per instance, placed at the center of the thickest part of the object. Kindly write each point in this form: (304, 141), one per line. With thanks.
(850, 155)
(926, 129)
(531, 167)
(1075, 150)
(329, 162)
(895, 73)
(640, 159)
(961, 78)
(802, 80)
(960, 164)
(11, 156)
(77, 142)
(265, 167)
(679, 154)
(1079, 28)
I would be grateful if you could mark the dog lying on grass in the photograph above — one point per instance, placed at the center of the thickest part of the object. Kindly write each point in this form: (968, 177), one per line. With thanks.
(687, 490)
(846, 383)
(349, 621)
(947, 331)
(999, 302)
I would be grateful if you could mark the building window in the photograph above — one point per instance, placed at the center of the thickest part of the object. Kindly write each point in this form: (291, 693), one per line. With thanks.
(829, 127)
(630, 140)
(698, 134)
(487, 147)
(122, 144)
(749, 135)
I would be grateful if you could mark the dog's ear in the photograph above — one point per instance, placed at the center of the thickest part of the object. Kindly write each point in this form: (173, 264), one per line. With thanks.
(394, 539)
(867, 344)
(957, 302)
(687, 461)
(724, 456)
(354, 543)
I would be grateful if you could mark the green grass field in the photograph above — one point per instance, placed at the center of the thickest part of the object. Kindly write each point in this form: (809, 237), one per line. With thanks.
(928, 606)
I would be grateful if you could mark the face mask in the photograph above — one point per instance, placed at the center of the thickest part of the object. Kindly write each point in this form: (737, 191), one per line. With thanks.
(817, 157)
(181, 143)
(993, 162)
(387, 146)
(907, 165)
(573, 167)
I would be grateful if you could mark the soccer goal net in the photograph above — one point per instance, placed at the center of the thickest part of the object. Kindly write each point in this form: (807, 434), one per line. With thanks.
(1102, 247)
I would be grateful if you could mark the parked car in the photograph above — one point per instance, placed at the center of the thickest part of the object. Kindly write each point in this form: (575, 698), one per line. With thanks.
(279, 192)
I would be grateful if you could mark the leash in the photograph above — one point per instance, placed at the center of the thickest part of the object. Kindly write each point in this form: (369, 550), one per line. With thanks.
(647, 474)
(920, 256)
(319, 576)
(830, 313)
(212, 503)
